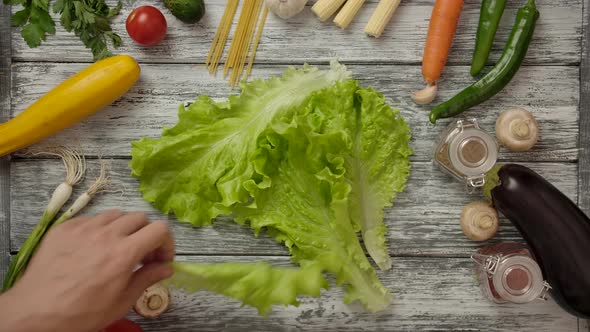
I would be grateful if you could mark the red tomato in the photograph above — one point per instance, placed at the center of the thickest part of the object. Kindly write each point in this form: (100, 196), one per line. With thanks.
(146, 25)
(123, 325)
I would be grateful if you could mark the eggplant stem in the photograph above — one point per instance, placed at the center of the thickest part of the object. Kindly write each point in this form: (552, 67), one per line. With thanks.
(492, 180)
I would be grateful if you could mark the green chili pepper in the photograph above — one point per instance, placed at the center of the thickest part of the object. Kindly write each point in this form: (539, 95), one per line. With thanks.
(489, 18)
(503, 71)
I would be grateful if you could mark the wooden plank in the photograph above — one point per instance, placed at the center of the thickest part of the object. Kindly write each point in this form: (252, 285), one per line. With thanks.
(430, 294)
(305, 38)
(414, 228)
(5, 64)
(584, 142)
(584, 137)
(551, 92)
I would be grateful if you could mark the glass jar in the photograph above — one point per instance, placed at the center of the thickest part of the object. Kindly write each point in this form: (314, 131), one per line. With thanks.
(466, 152)
(508, 272)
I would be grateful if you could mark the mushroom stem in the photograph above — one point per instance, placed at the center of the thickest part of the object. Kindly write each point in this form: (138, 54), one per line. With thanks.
(426, 95)
(479, 221)
(483, 220)
(520, 128)
(154, 301)
(517, 129)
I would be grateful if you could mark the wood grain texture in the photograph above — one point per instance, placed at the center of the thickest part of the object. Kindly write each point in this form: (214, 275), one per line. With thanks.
(305, 38)
(5, 64)
(551, 92)
(584, 142)
(432, 276)
(414, 228)
(429, 295)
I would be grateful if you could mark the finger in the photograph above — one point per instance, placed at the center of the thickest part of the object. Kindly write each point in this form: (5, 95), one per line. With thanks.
(97, 220)
(106, 217)
(146, 276)
(76, 222)
(157, 256)
(153, 236)
(130, 223)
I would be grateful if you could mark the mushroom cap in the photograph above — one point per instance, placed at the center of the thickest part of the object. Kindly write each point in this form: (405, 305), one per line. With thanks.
(517, 129)
(479, 221)
(154, 301)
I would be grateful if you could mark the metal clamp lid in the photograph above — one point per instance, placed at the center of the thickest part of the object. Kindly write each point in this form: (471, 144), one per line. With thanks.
(498, 269)
(488, 262)
(466, 152)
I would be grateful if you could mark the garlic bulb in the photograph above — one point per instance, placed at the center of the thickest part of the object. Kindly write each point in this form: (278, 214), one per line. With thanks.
(286, 8)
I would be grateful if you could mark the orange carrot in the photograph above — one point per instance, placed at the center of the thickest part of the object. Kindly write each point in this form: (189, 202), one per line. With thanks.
(443, 23)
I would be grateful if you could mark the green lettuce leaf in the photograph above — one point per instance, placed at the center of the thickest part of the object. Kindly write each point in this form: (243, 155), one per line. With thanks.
(377, 169)
(307, 205)
(203, 166)
(259, 285)
(310, 170)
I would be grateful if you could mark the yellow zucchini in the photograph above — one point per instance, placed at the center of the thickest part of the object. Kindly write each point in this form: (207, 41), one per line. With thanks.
(78, 97)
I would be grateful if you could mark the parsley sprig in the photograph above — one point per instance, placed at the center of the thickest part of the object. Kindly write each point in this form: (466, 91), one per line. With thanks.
(88, 19)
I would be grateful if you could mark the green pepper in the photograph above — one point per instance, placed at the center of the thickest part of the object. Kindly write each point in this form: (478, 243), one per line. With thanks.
(503, 71)
(489, 18)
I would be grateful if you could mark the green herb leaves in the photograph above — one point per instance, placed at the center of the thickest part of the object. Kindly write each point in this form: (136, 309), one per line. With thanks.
(35, 21)
(88, 19)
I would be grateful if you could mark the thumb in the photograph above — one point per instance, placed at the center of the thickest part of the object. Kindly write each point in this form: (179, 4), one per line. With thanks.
(146, 276)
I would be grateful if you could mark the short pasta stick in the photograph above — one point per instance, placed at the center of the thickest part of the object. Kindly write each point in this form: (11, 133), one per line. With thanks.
(381, 17)
(347, 13)
(326, 8)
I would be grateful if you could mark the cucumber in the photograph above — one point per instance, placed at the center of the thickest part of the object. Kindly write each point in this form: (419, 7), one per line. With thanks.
(188, 11)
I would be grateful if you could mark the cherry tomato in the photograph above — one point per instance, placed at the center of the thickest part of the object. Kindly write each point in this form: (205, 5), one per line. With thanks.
(123, 325)
(146, 25)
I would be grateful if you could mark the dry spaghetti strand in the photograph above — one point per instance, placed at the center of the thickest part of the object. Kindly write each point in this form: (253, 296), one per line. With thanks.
(218, 45)
(256, 41)
(245, 47)
(239, 35)
(244, 42)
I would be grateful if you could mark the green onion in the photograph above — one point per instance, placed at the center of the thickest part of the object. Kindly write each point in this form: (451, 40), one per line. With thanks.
(99, 185)
(75, 166)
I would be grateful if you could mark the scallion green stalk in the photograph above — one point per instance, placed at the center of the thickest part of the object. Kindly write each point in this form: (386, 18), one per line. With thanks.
(75, 166)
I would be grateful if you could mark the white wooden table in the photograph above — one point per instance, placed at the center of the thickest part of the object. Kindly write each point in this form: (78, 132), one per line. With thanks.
(432, 279)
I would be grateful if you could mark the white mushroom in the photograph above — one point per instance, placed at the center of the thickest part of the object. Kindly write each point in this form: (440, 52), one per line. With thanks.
(517, 129)
(479, 221)
(425, 96)
(154, 301)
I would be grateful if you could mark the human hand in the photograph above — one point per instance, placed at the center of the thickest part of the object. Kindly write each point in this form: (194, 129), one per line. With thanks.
(82, 277)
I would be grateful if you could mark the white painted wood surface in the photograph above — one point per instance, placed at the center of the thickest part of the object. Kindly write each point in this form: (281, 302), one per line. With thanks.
(305, 38)
(551, 92)
(424, 220)
(429, 295)
(432, 279)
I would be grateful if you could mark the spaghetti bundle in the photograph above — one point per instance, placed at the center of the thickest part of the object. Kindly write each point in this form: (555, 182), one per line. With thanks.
(245, 40)
(218, 45)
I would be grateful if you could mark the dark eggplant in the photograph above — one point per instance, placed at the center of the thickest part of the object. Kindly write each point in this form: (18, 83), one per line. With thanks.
(553, 226)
